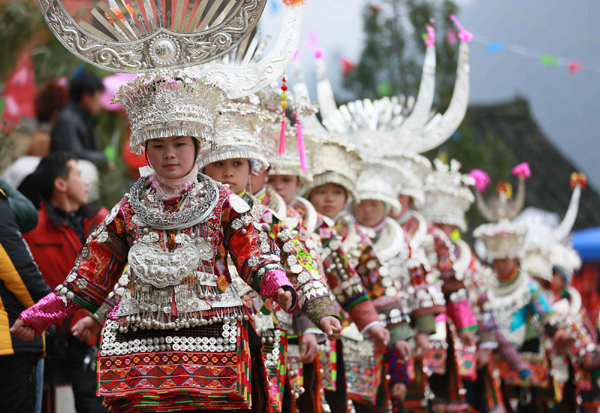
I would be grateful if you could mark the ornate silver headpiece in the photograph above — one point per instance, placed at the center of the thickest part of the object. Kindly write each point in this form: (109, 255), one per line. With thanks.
(381, 180)
(168, 103)
(238, 133)
(399, 128)
(245, 70)
(136, 39)
(337, 162)
(448, 195)
(503, 238)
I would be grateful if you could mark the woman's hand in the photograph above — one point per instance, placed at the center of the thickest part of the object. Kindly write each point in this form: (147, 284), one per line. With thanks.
(20, 330)
(380, 335)
(332, 327)
(309, 348)
(86, 328)
(285, 299)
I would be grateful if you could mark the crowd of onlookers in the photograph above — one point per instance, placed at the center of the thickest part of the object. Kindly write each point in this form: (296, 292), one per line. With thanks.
(46, 214)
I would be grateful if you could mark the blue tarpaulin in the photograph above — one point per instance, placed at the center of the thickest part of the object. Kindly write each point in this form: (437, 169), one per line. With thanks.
(587, 243)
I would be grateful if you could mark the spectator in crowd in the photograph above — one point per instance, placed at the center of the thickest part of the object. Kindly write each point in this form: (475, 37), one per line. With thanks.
(74, 129)
(52, 98)
(66, 219)
(21, 285)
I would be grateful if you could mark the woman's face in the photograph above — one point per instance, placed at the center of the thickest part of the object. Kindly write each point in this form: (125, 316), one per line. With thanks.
(286, 186)
(235, 172)
(369, 212)
(172, 157)
(328, 199)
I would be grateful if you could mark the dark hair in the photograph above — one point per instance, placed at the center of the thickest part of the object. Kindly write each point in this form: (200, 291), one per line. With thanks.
(50, 99)
(51, 168)
(196, 150)
(84, 83)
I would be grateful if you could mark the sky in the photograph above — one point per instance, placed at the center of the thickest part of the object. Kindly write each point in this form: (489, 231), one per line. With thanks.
(565, 105)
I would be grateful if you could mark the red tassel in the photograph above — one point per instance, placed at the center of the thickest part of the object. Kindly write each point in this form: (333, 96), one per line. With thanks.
(282, 137)
(301, 151)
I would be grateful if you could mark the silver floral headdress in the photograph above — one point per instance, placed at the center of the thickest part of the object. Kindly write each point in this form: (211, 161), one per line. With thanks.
(381, 180)
(168, 103)
(335, 161)
(448, 196)
(238, 131)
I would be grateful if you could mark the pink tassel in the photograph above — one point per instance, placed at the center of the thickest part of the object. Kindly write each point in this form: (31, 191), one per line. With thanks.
(463, 34)
(522, 170)
(301, 151)
(282, 137)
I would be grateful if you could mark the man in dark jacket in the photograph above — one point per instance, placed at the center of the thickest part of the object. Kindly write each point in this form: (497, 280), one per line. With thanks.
(65, 220)
(21, 285)
(73, 130)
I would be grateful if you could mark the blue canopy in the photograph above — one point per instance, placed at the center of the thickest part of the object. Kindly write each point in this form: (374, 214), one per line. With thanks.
(587, 243)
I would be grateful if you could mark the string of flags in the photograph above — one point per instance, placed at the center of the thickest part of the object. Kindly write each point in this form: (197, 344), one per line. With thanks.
(494, 47)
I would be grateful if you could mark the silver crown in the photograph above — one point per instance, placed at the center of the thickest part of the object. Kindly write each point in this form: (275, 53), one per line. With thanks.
(168, 103)
(381, 180)
(335, 161)
(448, 195)
(238, 132)
(136, 39)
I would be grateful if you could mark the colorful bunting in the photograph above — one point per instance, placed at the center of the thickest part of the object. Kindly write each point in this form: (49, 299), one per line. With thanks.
(493, 47)
(548, 60)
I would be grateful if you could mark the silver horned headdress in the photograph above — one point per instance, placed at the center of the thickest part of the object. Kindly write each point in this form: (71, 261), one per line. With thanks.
(142, 36)
(448, 195)
(400, 128)
(503, 238)
(547, 243)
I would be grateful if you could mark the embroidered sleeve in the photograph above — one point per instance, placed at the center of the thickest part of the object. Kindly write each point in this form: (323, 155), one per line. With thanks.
(48, 311)
(250, 248)
(302, 270)
(101, 261)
